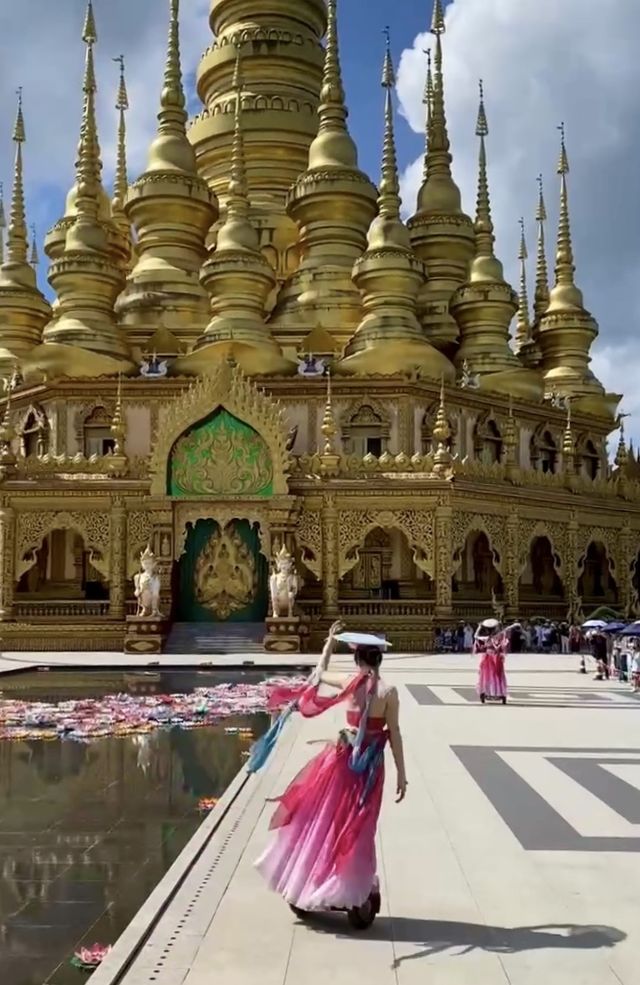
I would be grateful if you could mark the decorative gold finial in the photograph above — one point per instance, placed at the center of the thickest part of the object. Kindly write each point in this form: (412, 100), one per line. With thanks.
(329, 428)
(17, 246)
(439, 157)
(34, 259)
(171, 150)
(483, 224)
(237, 232)
(121, 182)
(541, 296)
(389, 198)
(622, 455)
(173, 100)
(442, 434)
(7, 431)
(568, 442)
(427, 99)
(3, 223)
(565, 295)
(333, 145)
(118, 426)
(523, 330)
(87, 234)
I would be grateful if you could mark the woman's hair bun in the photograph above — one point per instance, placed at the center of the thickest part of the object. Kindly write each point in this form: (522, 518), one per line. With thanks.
(370, 656)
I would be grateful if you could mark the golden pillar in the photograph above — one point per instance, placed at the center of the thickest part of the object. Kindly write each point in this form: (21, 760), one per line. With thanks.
(7, 557)
(444, 559)
(330, 572)
(512, 572)
(623, 572)
(571, 569)
(118, 559)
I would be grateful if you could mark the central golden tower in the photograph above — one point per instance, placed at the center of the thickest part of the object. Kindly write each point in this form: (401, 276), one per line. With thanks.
(282, 59)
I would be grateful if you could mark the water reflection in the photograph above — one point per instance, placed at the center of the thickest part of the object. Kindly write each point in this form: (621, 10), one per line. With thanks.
(86, 831)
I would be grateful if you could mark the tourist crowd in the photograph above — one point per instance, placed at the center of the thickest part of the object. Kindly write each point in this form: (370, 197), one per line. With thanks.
(525, 637)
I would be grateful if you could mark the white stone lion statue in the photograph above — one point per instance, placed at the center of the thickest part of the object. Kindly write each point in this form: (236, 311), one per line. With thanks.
(147, 586)
(283, 585)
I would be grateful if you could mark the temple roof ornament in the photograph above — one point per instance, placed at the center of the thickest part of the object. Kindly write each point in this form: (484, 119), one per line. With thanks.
(389, 338)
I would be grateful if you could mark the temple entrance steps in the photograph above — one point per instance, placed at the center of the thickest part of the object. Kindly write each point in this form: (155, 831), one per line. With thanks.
(216, 637)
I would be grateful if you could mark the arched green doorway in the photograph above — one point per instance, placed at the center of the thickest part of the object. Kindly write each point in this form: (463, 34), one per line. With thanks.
(222, 575)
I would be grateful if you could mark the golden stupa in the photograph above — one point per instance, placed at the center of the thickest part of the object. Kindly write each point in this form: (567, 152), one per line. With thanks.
(248, 347)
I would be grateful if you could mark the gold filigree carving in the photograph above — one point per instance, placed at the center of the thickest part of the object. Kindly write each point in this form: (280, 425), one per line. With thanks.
(93, 527)
(139, 530)
(556, 533)
(416, 525)
(309, 538)
(221, 462)
(223, 514)
(230, 389)
(464, 524)
(225, 576)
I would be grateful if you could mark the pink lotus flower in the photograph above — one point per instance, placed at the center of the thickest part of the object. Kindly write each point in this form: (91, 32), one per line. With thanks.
(91, 957)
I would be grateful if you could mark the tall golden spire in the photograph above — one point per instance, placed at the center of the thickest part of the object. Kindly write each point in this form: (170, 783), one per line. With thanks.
(485, 305)
(389, 338)
(3, 223)
(333, 146)
(565, 294)
(333, 204)
(121, 178)
(23, 309)
(486, 267)
(171, 149)
(523, 329)
(17, 262)
(438, 157)
(427, 100)
(441, 234)
(567, 330)
(34, 257)
(238, 279)
(172, 210)
(541, 297)
(121, 182)
(83, 339)
(87, 234)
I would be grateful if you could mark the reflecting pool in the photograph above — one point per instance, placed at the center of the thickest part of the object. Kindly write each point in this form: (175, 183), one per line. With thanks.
(88, 830)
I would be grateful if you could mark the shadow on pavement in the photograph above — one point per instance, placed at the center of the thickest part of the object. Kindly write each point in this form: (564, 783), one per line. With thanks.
(439, 936)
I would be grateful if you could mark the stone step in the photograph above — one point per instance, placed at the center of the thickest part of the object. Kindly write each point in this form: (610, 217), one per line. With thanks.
(216, 638)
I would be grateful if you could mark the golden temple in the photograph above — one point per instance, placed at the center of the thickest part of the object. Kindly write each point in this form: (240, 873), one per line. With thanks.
(249, 346)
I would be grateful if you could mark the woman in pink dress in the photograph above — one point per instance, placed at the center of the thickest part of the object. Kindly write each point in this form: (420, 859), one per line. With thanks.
(492, 642)
(322, 854)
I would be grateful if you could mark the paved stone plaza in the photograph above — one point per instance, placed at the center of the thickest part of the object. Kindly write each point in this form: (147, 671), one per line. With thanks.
(515, 858)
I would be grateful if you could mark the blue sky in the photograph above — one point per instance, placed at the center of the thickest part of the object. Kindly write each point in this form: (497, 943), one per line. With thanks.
(533, 80)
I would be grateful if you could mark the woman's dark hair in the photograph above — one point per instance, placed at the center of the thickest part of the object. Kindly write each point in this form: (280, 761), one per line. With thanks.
(370, 656)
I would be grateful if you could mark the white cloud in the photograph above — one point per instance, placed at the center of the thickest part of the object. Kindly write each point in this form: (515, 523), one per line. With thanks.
(42, 51)
(544, 61)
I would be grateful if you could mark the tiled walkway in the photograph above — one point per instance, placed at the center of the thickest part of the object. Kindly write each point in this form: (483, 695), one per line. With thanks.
(515, 858)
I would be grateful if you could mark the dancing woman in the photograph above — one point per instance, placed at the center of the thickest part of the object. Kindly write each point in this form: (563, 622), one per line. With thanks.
(492, 642)
(322, 850)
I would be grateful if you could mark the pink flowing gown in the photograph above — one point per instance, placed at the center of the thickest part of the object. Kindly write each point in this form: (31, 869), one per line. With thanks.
(321, 853)
(492, 679)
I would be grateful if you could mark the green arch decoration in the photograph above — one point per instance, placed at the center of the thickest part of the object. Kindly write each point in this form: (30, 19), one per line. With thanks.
(220, 456)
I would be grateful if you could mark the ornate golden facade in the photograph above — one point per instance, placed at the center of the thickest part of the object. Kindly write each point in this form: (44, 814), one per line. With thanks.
(172, 394)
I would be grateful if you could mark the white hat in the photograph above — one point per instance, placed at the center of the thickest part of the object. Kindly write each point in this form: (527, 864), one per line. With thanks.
(363, 639)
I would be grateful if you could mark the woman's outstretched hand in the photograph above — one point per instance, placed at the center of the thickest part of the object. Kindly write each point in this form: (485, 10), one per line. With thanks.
(401, 789)
(336, 628)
